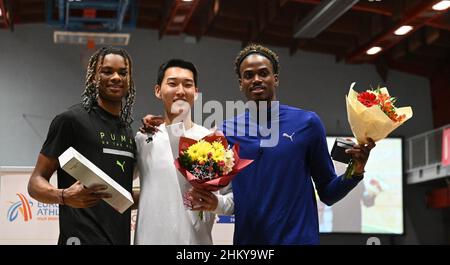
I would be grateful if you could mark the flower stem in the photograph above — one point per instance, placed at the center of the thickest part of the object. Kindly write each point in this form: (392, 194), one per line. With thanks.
(200, 215)
(350, 170)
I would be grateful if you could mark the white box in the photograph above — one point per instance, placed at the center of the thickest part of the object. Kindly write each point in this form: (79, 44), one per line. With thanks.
(89, 174)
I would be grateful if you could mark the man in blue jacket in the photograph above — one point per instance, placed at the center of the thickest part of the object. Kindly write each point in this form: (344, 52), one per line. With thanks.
(274, 196)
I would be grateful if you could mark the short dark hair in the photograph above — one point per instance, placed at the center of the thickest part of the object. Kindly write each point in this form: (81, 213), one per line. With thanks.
(257, 49)
(176, 63)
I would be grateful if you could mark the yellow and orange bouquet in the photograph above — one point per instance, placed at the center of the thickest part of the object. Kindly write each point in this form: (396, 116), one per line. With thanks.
(207, 160)
(209, 164)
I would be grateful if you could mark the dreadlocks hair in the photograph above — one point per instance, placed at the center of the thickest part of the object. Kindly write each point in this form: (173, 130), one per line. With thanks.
(257, 49)
(90, 94)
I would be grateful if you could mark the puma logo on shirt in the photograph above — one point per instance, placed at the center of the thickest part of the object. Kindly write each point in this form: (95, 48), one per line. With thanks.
(289, 136)
(121, 165)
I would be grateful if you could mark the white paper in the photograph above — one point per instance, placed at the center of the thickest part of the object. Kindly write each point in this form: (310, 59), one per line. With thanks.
(89, 174)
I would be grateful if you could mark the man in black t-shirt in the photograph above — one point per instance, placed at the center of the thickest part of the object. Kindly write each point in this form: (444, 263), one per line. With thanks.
(98, 128)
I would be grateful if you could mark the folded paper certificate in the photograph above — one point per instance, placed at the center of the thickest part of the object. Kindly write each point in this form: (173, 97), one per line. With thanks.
(89, 174)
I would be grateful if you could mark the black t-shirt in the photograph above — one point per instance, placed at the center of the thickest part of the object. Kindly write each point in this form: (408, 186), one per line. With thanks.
(103, 139)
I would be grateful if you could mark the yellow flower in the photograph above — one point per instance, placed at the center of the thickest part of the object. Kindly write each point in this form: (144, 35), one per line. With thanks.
(218, 146)
(199, 151)
(193, 151)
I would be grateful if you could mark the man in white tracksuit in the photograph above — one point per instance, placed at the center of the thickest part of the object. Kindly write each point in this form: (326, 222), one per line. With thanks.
(163, 217)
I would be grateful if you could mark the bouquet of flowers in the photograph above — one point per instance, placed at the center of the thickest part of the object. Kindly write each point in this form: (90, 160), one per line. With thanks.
(209, 164)
(372, 114)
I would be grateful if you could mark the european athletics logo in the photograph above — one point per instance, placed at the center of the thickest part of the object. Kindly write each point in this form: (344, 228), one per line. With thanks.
(23, 205)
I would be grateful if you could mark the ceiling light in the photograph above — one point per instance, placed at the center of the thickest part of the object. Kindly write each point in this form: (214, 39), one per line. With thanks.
(0, 12)
(374, 50)
(187, 0)
(442, 5)
(403, 30)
